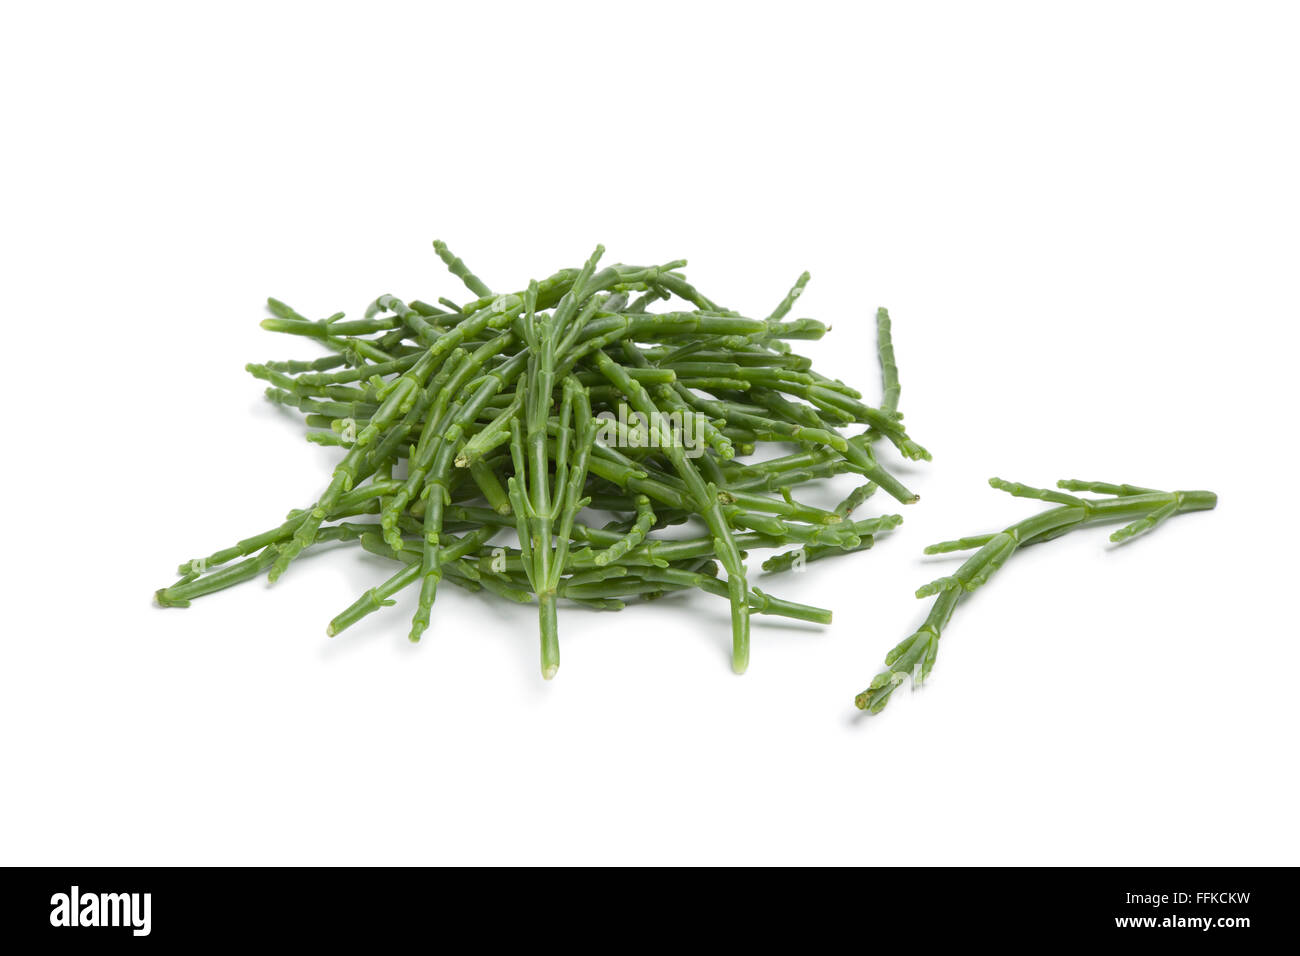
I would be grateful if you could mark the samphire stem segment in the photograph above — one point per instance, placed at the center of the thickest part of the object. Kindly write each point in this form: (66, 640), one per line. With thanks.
(1143, 508)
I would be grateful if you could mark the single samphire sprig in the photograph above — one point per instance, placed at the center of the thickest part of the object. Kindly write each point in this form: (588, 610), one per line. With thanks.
(477, 441)
(1144, 509)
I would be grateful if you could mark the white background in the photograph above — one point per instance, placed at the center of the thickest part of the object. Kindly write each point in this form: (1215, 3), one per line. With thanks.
(1082, 217)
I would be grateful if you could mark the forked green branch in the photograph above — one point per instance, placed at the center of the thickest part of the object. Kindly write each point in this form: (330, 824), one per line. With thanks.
(1143, 508)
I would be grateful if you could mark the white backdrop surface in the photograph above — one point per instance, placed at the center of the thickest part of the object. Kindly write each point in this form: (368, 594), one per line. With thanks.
(1083, 219)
